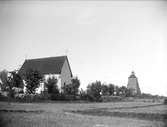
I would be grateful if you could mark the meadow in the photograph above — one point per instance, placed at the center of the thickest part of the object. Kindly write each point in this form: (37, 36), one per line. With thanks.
(63, 114)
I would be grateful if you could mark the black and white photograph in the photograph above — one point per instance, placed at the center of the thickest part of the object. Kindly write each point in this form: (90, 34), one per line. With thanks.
(83, 63)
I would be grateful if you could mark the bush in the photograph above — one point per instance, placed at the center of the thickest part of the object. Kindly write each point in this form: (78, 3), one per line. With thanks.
(72, 89)
(165, 100)
(3, 98)
(19, 96)
(94, 91)
(83, 95)
(111, 98)
(52, 88)
(31, 97)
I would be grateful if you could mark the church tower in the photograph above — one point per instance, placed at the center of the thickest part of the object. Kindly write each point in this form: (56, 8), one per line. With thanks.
(133, 85)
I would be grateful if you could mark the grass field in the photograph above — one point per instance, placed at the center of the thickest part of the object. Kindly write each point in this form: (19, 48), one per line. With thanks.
(117, 114)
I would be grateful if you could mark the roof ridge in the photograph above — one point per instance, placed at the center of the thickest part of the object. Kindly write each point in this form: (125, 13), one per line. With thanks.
(46, 57)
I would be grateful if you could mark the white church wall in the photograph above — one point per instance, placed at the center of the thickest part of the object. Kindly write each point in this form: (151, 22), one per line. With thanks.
(65, 74)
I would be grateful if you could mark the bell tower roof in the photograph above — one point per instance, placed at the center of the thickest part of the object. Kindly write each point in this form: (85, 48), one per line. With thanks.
(132, 75)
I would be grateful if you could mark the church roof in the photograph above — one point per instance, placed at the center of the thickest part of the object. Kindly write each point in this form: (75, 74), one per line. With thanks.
(49, 65)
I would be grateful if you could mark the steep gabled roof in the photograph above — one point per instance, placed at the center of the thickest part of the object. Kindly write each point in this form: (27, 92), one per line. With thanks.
(49, 65)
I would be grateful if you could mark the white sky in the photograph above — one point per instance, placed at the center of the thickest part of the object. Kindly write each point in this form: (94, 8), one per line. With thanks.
(105, 40)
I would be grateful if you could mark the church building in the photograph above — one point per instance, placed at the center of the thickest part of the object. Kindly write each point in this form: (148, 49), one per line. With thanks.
(57, 67)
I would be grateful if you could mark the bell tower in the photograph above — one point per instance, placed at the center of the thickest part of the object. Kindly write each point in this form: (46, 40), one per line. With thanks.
(133, 85)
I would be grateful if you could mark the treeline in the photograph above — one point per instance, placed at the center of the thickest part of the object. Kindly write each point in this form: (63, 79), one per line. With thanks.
(12, 86)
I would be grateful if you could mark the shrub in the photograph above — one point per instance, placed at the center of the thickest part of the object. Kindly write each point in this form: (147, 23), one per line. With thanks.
(33, 78)
(52, 88)
(94, 91)
(19, 96)
(111, 98)
(165, 100)
(124, 91)
(71, 90)
(83, 95)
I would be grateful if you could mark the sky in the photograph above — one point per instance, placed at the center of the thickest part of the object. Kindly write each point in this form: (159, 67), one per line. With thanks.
(104, 40)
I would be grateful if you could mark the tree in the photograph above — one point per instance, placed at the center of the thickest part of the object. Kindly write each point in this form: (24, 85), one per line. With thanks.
(9, 86)
(165, 100)
(116, 90)
(52, 88)
(128, 93)
(94, 91)
(104, 89)
(9, 80)
(4, 80)
(33, 78)
(72, 88)
(7, 83)
(75, 86)
(111, 89)
(17, 80)
(122, 90)
(83, 95)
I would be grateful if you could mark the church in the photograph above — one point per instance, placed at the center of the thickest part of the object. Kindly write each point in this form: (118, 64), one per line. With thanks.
(57, 67)
(133, 85)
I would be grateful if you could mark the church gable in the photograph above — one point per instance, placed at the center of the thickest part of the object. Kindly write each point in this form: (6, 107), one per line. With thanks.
(66, 73)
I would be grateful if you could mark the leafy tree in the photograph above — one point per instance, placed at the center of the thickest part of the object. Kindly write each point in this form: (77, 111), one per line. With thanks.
(72, 88)
(165, 100)
(94, 91)
(17, 80)
(104, 89)
(83, 95)
(52, 88)
(7, 83)
(4, 80)
(10, 86)
(76, 85)
(122, 90)
(111, 89)
(33, 78)
(116, 90)
(10, 80)
(128, 93)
